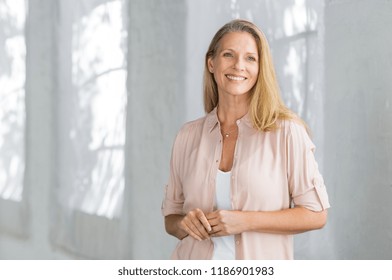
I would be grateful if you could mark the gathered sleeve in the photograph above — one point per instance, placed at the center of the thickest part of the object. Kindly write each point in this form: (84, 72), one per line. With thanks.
(173, 200)
(306, 184)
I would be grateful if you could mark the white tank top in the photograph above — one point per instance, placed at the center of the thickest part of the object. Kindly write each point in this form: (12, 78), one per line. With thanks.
(224, 248)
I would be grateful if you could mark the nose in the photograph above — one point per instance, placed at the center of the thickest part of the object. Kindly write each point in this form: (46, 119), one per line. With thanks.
(239, 64)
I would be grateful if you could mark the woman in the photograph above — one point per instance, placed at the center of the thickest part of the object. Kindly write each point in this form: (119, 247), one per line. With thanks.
(243, 178)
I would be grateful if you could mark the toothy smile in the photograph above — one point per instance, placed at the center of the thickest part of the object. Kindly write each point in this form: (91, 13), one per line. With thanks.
(235, 78)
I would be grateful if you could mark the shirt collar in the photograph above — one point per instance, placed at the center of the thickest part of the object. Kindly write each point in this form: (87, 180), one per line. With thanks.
(213, 121)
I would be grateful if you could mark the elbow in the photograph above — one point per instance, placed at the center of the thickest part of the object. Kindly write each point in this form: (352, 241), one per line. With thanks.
(321, 219)
(315, 219)
(168, 225)
(172, 227)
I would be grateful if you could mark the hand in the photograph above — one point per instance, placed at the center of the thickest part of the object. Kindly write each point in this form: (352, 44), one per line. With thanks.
(196, 224)
(225, 222)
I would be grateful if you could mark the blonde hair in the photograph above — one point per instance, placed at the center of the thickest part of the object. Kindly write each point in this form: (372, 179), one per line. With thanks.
(266, 105)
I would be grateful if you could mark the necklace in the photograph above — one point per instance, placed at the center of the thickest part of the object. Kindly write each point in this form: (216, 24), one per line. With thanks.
(227, 133)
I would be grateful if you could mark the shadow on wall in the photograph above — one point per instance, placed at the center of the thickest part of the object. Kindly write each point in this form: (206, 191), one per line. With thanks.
(12, 98)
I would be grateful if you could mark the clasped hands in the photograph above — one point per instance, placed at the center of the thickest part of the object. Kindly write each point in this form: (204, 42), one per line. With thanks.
(203, 226)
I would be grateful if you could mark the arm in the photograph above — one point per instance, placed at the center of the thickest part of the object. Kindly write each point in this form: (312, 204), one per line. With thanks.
(172, 226)
(288, 221)
(306, 189)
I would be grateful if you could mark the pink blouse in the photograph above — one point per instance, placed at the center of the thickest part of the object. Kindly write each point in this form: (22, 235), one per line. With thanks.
(271, 171)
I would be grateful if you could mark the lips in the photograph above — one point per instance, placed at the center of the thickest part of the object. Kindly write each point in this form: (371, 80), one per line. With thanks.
(235, 78)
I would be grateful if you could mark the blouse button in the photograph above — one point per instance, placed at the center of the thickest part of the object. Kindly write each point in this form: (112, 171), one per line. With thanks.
(238, 121)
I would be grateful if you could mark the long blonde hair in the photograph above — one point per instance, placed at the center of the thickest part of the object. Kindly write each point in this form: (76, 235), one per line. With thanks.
(266, 105)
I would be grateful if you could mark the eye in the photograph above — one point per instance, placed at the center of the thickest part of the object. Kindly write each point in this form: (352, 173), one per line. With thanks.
(251, 58)
(227, 54)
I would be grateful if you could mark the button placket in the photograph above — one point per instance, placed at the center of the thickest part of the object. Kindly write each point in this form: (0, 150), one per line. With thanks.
(214, 169)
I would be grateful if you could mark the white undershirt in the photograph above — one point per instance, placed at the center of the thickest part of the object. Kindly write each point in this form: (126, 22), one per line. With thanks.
(224, 248)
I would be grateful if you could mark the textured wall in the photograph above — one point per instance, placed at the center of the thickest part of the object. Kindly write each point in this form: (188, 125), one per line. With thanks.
(358, 127)
(156, 110)
(39, 178)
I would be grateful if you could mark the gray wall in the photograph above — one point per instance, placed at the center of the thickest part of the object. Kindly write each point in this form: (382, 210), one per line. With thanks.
(156, 110)
(358, 127)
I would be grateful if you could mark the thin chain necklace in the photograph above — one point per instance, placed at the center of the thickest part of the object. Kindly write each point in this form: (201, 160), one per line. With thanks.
(228, 133)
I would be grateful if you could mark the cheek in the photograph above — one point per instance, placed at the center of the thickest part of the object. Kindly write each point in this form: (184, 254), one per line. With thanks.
(218, 74)
(216, 77)
(255, 73)
(256, 70)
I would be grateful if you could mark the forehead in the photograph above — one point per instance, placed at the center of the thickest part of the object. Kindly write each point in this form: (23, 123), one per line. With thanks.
(238, 41)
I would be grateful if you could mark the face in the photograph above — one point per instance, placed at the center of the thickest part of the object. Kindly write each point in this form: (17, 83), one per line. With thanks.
(235, 65)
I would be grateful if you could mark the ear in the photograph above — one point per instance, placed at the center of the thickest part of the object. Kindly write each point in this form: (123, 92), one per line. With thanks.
(210, 64)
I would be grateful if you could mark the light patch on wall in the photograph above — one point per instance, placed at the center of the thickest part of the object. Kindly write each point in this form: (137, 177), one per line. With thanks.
(300, 23)
(294, 68)
(235, 9)
(295, 18)
(99, 77)
(12, 98)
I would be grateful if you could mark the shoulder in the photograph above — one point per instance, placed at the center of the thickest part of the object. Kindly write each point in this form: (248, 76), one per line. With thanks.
(290, 126)
(190, 131)
(207, 122)
(195, 124)
(192, 127)
(296, 133)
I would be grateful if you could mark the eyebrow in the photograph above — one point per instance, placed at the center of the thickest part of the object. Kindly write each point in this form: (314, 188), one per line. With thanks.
(235, 51)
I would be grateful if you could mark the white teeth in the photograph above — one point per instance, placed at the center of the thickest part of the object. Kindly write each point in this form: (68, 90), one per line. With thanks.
(235, 78)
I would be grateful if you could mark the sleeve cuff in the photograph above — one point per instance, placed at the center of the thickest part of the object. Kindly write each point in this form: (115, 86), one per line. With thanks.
(170, 206)
(315, 199)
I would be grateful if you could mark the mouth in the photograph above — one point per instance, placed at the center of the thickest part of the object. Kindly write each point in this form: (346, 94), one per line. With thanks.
(235, 78)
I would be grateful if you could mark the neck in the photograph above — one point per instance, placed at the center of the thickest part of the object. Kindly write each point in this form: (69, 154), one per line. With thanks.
(229, 111)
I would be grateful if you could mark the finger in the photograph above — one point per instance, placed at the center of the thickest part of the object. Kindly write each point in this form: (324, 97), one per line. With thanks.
(199, 229)
(211, 215)
(204, 221)
(213, 219)
(213, 222)
(187, 225)
(216, 215)
(191, 232)
(194, 225)
(216, 231)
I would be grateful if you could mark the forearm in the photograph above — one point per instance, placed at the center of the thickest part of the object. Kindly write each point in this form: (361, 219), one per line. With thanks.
(288, 221)
(172, 226)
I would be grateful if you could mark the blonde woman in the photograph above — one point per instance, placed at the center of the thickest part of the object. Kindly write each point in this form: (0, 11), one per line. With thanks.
(243, 179)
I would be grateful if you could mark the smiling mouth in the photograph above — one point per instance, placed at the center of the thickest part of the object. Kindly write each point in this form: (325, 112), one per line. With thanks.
(235, 78)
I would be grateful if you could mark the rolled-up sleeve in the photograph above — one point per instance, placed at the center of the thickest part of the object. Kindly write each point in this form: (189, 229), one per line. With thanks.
(173, 200)
(306, 184)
